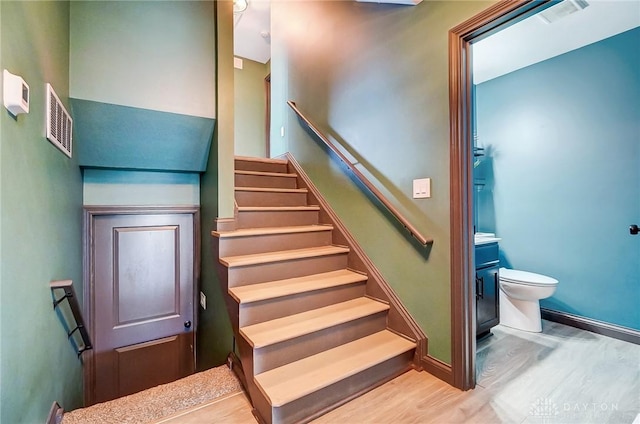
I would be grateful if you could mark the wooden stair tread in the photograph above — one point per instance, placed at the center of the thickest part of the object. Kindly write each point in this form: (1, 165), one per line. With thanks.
(265, 173)
(248, 232)
(290, 286)
(263, 160)
(283, 255)
(293, 381)
(278, 208)
(292, 326)
(272, 189)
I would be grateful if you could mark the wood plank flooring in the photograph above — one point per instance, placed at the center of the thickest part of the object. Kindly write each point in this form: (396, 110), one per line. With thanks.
(234, 408)
(562, 375)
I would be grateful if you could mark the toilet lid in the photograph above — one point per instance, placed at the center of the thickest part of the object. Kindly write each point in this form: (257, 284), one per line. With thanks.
(524, 277)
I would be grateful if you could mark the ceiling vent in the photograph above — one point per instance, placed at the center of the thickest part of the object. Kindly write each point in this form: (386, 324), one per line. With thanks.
(562, 9)
(59, 123)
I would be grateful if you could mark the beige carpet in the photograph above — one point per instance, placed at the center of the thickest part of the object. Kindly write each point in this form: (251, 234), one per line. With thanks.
(161, 401)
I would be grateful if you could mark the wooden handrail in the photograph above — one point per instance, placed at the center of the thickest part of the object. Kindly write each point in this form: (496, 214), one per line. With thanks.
(364, 180)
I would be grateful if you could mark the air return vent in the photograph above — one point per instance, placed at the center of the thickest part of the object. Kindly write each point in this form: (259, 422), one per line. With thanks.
(562, 9)
(59, 123)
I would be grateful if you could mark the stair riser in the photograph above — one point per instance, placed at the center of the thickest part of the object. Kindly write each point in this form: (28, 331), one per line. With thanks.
(260, 219)
(244, 165)
(267, 181)
(257, 198)
(273, 271)
(266, 310)
(309, 407)
(273, 356)
(233, 246)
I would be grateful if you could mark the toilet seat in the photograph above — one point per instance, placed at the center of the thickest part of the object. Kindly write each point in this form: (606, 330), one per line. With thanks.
(526, 278)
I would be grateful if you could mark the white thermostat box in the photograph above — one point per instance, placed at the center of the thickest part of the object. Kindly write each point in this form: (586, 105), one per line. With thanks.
(16, 93)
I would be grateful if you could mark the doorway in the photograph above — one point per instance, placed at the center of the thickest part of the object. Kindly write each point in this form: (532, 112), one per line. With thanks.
(461, 38)
(556, 153)
(267, 123)
(140, 278)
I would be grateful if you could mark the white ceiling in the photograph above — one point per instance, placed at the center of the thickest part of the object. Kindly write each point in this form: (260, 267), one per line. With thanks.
(251, 33)
(532, 40)
(525, 43)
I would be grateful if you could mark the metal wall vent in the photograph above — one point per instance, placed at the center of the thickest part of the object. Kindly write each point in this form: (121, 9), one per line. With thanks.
(562, 9)
(59, 123)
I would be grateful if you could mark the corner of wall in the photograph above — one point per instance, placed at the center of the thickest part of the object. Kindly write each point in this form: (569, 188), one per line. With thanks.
(41, 196)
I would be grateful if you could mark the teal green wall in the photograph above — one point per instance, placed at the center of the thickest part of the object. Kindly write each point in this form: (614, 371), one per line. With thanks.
(41, 195)
(215, 337)
(376, 78)
(124, 137)
(250, 111)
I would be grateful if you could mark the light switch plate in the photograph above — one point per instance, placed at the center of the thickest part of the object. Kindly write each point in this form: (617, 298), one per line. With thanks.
(422, 188)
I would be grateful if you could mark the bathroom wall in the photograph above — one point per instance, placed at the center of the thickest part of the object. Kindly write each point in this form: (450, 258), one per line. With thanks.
(562, 175)
(41, 221)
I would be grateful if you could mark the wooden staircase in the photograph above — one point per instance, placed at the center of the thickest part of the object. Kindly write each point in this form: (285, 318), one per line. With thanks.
(313, 329)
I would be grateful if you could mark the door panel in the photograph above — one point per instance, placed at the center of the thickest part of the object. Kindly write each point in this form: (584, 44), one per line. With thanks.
(152, 363)
(146, 280)
(143, 281)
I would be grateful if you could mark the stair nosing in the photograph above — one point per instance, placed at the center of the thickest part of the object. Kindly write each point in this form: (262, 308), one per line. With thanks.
(276, 289)
(362, 358)
(278, 208)
(271, 189)
(282, 255)
(265, 231)
(278, 330)
(265, 173)
(261, 160)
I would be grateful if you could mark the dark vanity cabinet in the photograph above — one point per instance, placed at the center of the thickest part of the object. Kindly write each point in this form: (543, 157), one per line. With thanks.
(487, 286)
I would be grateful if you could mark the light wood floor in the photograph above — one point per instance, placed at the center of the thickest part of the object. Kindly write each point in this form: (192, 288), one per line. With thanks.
(563, 375)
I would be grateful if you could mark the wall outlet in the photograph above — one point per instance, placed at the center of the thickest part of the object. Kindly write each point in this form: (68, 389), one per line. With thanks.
(422, 188)
(203, 300)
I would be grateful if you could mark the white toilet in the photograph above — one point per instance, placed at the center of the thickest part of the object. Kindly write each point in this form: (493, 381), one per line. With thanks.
(520, 294)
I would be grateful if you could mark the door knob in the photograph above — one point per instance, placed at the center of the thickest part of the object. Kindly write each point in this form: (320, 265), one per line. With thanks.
(187, 324)
(633, 229)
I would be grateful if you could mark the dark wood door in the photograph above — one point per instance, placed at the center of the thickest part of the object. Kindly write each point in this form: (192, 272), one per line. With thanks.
(143, 301)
